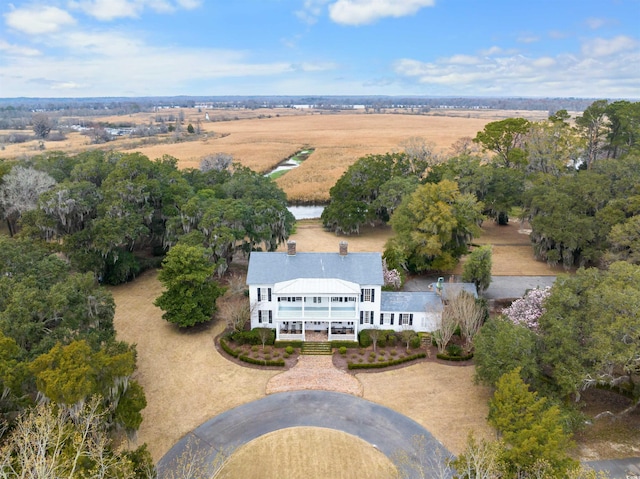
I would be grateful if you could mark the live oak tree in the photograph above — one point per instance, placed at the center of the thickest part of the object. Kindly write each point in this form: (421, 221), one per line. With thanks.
(70, 375)
(572, 215)
(190, 292)
(498, 188)
(589, 331)
(433, 227)
(355, 198)
(503, 346)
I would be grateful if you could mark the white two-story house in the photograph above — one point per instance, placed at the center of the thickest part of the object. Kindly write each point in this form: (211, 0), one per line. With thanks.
(337, 294)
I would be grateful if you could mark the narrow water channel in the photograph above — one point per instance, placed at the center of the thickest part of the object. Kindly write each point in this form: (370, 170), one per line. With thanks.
(299, 212)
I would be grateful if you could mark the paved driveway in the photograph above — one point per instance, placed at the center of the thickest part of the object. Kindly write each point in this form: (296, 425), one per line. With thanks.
(381, 427)
(501, 287)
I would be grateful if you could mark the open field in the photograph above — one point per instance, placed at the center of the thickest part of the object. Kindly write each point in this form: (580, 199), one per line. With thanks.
(260, 139)
(512, 253)
(288, 452)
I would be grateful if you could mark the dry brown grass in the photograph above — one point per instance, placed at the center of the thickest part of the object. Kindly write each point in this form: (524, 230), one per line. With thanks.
(512, 254)
(312, 453)
(187, 381)
(260, 139)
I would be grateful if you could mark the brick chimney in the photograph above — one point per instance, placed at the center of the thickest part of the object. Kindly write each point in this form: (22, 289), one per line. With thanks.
(344, 248)
(291, 248)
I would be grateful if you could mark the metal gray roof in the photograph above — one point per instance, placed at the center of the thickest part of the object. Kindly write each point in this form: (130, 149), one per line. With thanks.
(410, 302)
(270, 268)
(453, 289)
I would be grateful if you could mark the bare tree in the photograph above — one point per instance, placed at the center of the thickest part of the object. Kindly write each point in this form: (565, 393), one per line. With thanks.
(20, 191)
(264, 334)
(236, 312)
(41, 125)
(217, 161)
(195, 462)
(50, 443)
(479, 460)
(464, 146)
(468, 314)
(421, 153)
(375, 334)
(447, 328)
(407, 334)
(425, 461)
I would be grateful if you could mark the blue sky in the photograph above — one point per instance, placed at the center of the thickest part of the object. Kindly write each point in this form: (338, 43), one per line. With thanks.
(80, 48)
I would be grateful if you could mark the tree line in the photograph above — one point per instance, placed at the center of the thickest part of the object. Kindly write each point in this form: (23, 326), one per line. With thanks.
(577, 182)
(75, 223)
(574, 181)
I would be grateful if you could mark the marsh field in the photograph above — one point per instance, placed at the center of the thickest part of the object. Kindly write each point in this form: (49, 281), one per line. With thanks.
(261, 139)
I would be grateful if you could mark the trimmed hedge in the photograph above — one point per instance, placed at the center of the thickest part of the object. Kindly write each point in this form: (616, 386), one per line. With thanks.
(392, 362)
(284, 344)
(346, 344)
(262, 362)
(227, 349)
(253, 337)
(446, 357)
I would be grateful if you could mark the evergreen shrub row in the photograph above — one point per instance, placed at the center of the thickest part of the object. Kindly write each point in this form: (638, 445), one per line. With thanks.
(385, 364)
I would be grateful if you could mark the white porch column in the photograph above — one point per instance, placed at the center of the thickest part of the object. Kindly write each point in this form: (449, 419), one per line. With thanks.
(304, 323)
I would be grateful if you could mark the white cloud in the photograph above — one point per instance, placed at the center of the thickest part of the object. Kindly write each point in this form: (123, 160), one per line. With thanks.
(528, 38)
(361, 12)
(107, 10)
(311, 10)
(463, 60)
(595, 23)
(190, 4)
(17, 50)
(613, 75)
(600, 47)
(543, 62)
(315, 67)
(37, 20)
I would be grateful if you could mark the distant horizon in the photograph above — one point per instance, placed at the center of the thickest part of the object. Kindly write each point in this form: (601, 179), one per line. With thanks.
(318, 96)
(398, 48)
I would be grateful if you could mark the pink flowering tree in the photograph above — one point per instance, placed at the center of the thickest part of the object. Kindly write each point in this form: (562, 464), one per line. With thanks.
(392, 278)
(528, 309)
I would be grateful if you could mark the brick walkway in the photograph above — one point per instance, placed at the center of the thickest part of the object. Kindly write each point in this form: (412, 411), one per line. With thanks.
(317, 373)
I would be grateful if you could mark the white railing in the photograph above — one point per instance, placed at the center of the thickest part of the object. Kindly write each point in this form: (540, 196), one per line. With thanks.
(290, 337)
(315, 313)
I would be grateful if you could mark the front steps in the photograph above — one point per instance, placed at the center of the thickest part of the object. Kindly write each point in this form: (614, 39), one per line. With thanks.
(316, 348)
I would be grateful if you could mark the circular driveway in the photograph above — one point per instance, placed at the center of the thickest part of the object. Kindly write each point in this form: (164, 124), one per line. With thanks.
(385, 429)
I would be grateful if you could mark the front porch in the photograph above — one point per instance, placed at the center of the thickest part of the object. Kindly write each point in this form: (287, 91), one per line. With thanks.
(320, 331)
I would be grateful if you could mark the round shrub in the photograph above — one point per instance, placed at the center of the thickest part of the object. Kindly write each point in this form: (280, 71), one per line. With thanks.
(415, 342)
(289, 350)
(342, 350)
(454, 350)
